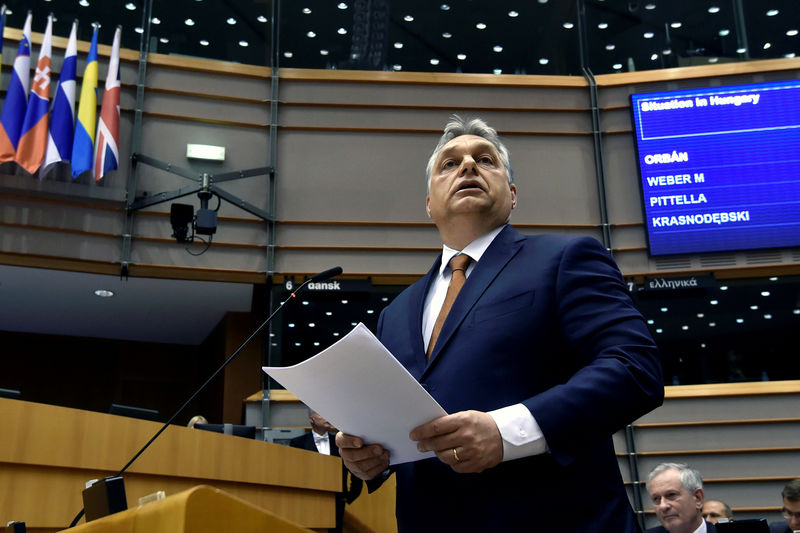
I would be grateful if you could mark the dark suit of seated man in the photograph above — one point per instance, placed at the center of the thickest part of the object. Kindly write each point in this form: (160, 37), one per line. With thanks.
(322, 439)
(791, 509)
(677, 494)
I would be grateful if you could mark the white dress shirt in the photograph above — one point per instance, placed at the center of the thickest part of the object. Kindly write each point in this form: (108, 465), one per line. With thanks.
(322, 442)
(520, 432)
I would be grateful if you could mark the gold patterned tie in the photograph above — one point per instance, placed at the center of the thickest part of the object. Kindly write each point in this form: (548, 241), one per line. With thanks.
(458, 265)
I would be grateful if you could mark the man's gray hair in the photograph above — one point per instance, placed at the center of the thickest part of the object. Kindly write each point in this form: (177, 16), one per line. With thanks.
(690, 478)
(791, 491)
(474, 126)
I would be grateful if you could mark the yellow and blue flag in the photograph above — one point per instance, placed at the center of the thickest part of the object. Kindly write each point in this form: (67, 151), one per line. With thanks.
(83, 144)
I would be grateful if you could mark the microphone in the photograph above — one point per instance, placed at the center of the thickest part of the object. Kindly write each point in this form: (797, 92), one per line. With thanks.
(326, 274)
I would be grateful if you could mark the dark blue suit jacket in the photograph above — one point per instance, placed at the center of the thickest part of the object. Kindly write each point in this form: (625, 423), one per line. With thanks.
(710, 528)
(545, 321)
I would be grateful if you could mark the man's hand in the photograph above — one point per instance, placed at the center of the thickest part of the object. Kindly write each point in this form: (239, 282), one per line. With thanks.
(364, 462)
(468, 441)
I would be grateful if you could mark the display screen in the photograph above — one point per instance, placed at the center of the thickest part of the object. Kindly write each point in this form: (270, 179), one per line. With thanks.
(720, 167)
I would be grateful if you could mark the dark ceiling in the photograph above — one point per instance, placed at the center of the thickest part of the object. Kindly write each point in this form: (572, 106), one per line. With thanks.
(479, 36)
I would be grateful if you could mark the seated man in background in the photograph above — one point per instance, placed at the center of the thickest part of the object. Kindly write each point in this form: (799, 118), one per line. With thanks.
(322, 439)
(677, 494)
(714, 510)
(791, 509)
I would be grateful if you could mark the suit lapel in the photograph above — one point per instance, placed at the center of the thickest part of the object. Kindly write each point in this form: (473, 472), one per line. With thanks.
(494, 259)
(417, 299)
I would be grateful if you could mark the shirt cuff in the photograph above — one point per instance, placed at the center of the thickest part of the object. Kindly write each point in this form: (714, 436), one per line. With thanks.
(522, 436)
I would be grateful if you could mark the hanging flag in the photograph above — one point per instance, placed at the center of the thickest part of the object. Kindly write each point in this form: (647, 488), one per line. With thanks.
(16, 97)
(106, 157)
(83, 144)
(33, 138)
(62, 116)
(2, 30)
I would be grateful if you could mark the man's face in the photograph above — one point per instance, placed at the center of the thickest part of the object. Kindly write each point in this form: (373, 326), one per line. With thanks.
(469, 178)
(713, 511)
(676, 507)
(792, 506)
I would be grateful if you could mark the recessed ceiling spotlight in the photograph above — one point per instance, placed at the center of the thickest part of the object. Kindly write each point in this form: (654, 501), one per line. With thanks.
(648, 35)
(335, 334)
(610, 46)
(163, 40)
(513, 14)
(497, 48)
(754, 307)
(84, 3)
(447, 35)
(262, 18)
(768, 316)
(434, 61)
(189, 22)
(543, 61)
(203, 42)
(288, 54)
(398, 45)
(659, 330)
(342, 5)
(789, 55)
(354, 324)
(155, 20)
(653, 57)
(243, 43)
(328, 313)
(342, 31)
(231, 21)
(323, 52)
(542, 1)
(311, 35)
(104, 293)
(796, 311)
(774, 278)
(702, 345)
(723, 288)
(791, 33)
(766, 46)
(740, 320)
(461, 57)
(480, 26)
(684, 328)
(311, 324)
(713, 9)
(700, 315)
(290, 324)
(712, 324)
(397, 67)
(603, 25)
(445, 7)
(316, 344)
(724, 32)
(772, 12)
(741, 50)
(408, 18)
(370, 311)
(344, 302)
(714, 302)
(138, 29)
(666, 52)
(650, 6)
(568, 25)
(675, 25)
(498, 71)
(130, 6)
(306, 11)
(651, 321)
(617, 66)
(664, 309)
(764, 293)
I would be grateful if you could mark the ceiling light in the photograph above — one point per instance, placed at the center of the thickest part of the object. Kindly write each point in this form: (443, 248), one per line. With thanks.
(316, 344)
(713, 9)
(163, 40)
(542, 1)
(602, 25)
(650, 6)
(714, 302)
(306, 11)
(659, 330)
(791, 33)
(712, 324)
(648, 35)
(189, 22)
(262, 18)
(353, 324)
(84, 3)
(651, 321)
(444, 7)
(311, 324)
(480, 26)
(311, 35)
(684, 328)
(231, 21)
(461, 57)
(345, 302)
(288, 55)
(754, 307)
(664, 309)
(328, 313)
(243, 43)
(790, 54)
(666, 52)
(741, 50)
(335, 334)
(568, 25)
(723, 288)
(290, 324)
(676, 25)
(617, 66)
(774, 278)
(408, 18)
(796, 311)
(155, 20)
(434, 61)
(702, 345)
(610, 46)
(104, 293)
(764, 293)
(323, 52)
(772, 12)
(497, 48)
(342, 5)
(203, 42)
(138, 29)
(768, 316)
(397, 67)
(370, 311)
(700, 315)
(130, 6)
(398, 45)
(543, 61)
(513, 14)
(342, 31)
(498, 71)
(447, 35)
(740, 320)
(653, 57)
(767, 45)
(724, 32)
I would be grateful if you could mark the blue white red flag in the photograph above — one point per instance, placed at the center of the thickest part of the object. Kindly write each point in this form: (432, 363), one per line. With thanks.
(33, 138)
(83, 144)
(62, 116)
(106, 156)
(16, 97)
(2, 30)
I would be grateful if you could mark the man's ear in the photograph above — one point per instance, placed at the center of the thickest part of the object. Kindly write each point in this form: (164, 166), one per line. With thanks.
(699, 498)
(513, 189)
(428, 205)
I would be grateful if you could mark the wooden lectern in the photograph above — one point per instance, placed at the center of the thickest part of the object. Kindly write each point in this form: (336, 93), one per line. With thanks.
(47, 453)
(202, 509)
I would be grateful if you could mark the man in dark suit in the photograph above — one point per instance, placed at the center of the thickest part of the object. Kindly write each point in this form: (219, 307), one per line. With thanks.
(322, 439)
(677, 493)
(791, 509)
(534, 347)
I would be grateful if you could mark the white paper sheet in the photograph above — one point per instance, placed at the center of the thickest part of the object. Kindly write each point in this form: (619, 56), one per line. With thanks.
(359, 387)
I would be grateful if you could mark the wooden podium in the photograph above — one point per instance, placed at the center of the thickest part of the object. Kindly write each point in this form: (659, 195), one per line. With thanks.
(47, 453)
(202, 509)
